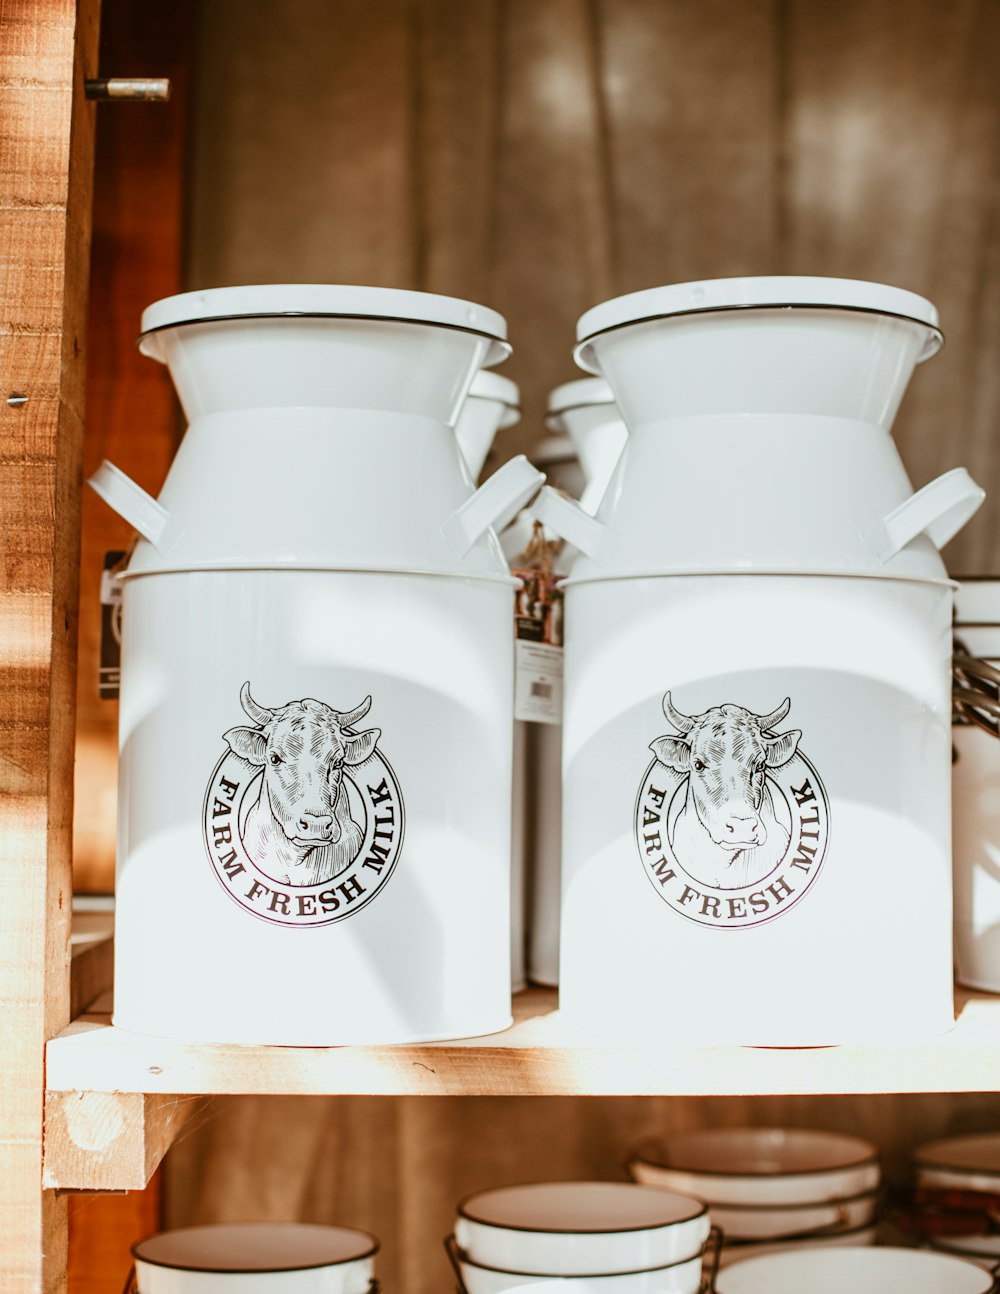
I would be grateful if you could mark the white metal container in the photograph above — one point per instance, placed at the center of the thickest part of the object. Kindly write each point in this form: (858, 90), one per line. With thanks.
(315, 710)
(682, 1277)
(840, 690)
(761, 608)
(587, 412)
(493, 404)
(256, 1258)
(976, 790)
(579, 1228)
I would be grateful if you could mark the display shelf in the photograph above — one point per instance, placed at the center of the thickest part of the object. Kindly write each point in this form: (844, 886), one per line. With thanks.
(537, 1056)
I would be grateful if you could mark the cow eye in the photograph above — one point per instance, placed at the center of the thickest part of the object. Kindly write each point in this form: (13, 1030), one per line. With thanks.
(275, 759)
(699, 766)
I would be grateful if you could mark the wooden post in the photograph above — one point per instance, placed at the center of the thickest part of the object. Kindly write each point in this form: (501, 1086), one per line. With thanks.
(47, 48)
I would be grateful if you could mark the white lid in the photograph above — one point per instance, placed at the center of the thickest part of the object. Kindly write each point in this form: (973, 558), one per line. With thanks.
(255, 1247)
(977, 600)
(268, 300)
(574, 395)
(978, 1153)
(579, 1207)
(774, 291)
(498, 390)
(553, 449)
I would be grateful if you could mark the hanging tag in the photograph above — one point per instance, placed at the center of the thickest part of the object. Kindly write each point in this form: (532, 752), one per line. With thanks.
(538, 647)
(111, 627)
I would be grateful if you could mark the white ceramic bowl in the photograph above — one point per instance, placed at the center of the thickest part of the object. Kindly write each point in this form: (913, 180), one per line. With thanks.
(761, 1166)
(579, 1228)
(758, 1222)
(676, 1278)
(968, 1163)
(984, 1250)
(855, 1271)
(741, 1250)
(258, 1258)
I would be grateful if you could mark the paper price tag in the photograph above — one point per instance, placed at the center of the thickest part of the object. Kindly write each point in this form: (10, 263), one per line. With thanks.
(109, 677)
(538, 633)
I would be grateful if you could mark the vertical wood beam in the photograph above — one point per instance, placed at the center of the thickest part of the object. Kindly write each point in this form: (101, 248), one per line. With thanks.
(46, 149)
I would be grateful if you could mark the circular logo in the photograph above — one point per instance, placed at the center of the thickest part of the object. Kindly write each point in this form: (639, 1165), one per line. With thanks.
(303, 816)
(732, 821)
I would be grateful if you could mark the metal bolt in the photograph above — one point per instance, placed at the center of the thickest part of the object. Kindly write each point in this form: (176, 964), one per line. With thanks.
(16, 398)
(155, 89)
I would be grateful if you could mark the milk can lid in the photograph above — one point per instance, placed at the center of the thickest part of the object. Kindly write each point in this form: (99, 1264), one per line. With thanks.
(498, 389)
(977, 600)
(255, 1247)
(324, 300)
(575, 395)
(773, 291)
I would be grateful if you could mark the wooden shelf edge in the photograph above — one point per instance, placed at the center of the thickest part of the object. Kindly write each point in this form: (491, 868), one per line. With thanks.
(537, 1056)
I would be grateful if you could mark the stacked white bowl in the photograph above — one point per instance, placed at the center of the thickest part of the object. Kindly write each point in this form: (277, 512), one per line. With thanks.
(855, 1271)
(966, 1171)
(771, 1188)
(581, 1238)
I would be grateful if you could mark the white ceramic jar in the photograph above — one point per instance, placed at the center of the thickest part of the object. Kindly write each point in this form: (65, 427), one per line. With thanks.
(757, 692)
(315, 708)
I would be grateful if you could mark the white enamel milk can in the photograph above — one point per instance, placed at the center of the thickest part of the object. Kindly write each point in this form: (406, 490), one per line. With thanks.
(315, 719)
(756, 839)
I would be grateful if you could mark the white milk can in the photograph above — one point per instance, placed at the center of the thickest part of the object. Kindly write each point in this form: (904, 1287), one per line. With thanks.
(757, 697)
(315, 710)
(976, 786)
(585, 412)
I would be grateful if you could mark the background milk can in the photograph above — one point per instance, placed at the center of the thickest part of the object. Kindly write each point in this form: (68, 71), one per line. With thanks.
(976, 785)
(493, 405)
(584, 412)
(757, 708)
(315, 717)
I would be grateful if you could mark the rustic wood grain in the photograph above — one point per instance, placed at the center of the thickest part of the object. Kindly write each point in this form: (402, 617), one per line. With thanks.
(46, 149)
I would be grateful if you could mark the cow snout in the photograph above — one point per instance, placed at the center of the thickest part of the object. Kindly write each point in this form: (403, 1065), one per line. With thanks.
(315, 826)
(744, 830)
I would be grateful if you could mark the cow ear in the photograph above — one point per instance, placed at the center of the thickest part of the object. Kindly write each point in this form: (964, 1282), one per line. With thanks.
(248, 743)
(673, 752)
(358, 748)
(781, 749)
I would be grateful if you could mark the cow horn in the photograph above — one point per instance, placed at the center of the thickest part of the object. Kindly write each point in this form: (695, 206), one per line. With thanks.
(682, 722)
(769, 721)
(349, 717)
(256, 712)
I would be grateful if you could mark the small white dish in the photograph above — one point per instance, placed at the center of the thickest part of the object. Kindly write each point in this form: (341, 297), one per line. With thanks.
(860, 1271)
(969, 1163)
(682, 1277)
(758, 1166)
(787, 1221)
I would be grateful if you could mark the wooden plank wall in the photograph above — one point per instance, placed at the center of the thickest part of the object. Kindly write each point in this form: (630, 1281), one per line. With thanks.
(47, 47)
(540, 155)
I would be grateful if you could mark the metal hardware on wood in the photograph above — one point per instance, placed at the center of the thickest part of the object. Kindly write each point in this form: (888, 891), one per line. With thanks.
(16, 398)
(155, 89)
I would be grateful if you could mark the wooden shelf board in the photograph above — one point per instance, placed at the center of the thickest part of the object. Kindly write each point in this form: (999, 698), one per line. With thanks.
(537, 1056)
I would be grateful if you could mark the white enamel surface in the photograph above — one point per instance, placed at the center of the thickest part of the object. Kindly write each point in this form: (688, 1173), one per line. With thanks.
(678, 500)
(429, 955)
(570, 395)
(851, 1239)
(860, 1271)
(966, 1163)
(262, 1258)
(866, 665)
(981, 640)
(977, 601)
(975, 778)
(758, 1166)
(748, 292)
(492, 405)
(678, 1278)
(579, 1228)
(318, 487)
(984, 1250)
(783, 1220)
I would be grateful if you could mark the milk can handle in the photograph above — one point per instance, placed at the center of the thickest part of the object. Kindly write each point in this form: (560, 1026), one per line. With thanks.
(939, 511)
(138, 508)
(573, 523)
(495, 503)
